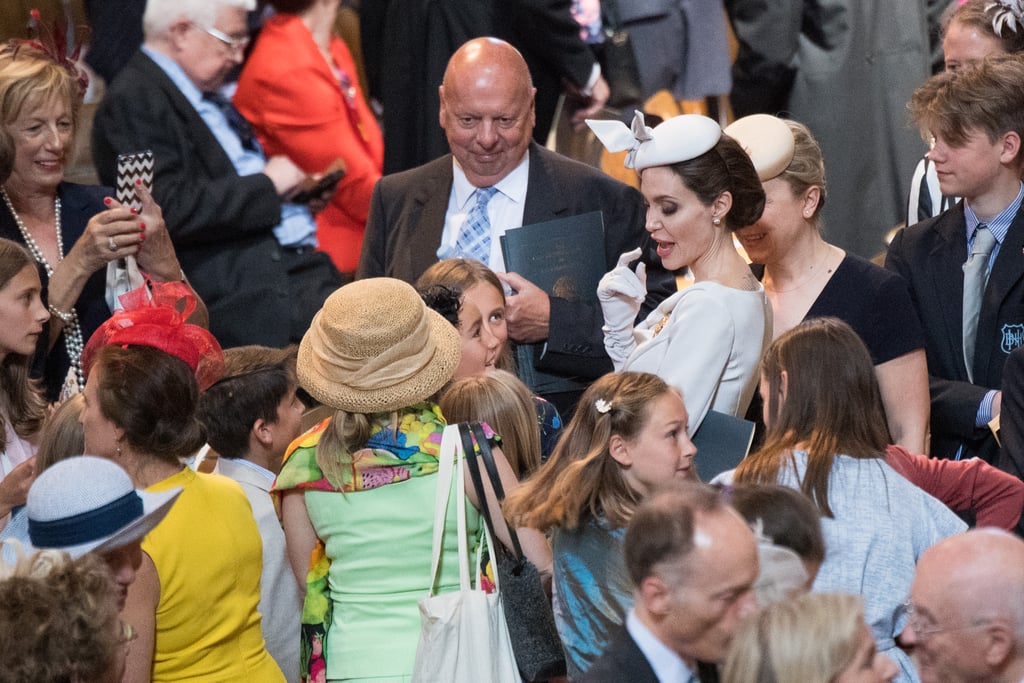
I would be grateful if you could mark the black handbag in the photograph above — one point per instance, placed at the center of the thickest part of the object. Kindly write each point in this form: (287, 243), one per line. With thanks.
(531, 624)
(618, 61)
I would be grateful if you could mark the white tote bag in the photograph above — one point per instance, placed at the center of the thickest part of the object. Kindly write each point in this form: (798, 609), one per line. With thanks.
(463, 635)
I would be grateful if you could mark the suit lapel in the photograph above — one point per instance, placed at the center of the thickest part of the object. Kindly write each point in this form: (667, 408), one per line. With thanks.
(1006, 273)
(946, 264)
(544, 200)
(431, 197)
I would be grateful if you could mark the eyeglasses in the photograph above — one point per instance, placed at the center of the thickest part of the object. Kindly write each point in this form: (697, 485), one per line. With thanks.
(923, 631)
(231, 42)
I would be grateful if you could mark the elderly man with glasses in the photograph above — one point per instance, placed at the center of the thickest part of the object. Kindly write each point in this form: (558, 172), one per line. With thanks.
(966, 609)
(249, 253)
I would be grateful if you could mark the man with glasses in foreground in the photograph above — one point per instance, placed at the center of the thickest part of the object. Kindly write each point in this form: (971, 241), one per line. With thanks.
(966, 609)
(248, 252)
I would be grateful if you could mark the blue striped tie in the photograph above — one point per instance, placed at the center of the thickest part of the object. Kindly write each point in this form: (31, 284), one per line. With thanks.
(474, 239)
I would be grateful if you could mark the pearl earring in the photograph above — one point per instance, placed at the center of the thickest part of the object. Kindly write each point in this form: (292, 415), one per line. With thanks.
(716, 220)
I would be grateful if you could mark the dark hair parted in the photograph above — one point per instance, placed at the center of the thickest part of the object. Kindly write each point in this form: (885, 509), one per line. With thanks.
(828, 404)
(662, 528)
(152, 396)
(581, 479)
(986, 96)
(256, 379)
(725, 168)
(787, 517)
(978, 14)
(26, 406)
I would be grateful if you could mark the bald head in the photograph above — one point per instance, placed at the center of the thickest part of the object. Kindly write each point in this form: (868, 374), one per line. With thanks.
(488, 58)
(980, 569)
(968, 604)
(487, 109)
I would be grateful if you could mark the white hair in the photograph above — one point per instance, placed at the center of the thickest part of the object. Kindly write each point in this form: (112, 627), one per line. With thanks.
(160, 15)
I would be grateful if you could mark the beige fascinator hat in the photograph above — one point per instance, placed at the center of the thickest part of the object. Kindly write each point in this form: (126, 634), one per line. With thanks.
(680, 138)
(375, 347)
(768, 142)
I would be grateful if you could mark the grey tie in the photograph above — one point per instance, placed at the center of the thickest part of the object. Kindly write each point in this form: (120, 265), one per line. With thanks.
(975, 278)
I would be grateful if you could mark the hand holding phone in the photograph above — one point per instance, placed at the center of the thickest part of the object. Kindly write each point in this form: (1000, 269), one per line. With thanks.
(322, 188)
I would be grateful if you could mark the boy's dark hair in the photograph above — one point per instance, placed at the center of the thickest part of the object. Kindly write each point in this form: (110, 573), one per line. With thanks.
(256, 379)
(787, 516)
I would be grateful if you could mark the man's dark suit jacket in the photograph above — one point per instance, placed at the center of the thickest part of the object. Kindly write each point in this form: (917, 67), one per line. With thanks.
(407, 214)
(622, 661)
(930, 256)
(221, 223)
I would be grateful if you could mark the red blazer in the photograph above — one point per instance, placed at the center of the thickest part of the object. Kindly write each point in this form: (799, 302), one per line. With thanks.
(297, 107)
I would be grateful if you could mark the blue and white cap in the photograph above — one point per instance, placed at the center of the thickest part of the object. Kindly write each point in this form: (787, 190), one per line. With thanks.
(88, 504)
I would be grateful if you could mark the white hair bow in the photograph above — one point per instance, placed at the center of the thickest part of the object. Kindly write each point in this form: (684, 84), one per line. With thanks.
(1010, 13)
(616, 137)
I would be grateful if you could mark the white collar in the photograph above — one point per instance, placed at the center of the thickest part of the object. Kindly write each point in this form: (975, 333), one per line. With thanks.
(668, 666)
(512, 186)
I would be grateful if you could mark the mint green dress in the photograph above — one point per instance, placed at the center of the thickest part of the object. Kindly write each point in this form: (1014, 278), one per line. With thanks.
(379, 543)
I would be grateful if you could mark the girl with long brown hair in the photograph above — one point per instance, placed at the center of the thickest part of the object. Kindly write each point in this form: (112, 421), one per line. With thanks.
(827, 437)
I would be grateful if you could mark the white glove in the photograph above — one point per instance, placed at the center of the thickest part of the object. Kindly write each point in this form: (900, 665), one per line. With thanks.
(621, 293)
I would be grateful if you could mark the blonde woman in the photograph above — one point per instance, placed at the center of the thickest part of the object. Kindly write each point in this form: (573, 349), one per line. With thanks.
(814, 638)
(501, 400)
(806, 277)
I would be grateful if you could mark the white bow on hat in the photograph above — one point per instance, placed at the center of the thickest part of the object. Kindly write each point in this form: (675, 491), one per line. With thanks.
(680, 138)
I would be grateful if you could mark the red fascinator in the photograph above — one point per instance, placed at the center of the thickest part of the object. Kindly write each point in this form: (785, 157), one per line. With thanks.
(157, 319)
(52, 44)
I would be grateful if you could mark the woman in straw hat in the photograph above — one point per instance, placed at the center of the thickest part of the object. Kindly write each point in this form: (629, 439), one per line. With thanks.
(195, 596)
(357, 489)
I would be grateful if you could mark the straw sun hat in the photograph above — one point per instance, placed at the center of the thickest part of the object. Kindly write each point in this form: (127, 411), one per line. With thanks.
(376, 347)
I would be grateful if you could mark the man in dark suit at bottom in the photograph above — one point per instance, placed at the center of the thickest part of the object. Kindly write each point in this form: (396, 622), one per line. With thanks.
(694, 562)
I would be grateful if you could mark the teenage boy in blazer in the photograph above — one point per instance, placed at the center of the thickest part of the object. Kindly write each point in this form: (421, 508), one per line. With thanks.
(976, 117)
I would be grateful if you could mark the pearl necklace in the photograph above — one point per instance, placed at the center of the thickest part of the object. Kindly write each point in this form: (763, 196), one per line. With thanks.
(73, 342)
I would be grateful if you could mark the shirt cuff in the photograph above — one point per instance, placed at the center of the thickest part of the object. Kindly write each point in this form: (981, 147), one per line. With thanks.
(984, 415)
(595, 73)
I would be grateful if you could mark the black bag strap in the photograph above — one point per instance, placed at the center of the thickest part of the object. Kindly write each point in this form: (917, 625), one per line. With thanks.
(469, 433)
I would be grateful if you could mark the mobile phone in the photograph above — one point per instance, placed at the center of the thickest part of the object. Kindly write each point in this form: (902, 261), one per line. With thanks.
(130, 168)
(328, 182)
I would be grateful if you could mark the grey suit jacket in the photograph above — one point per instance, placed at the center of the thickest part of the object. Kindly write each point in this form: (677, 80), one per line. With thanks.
(406, 221)
(280, 601)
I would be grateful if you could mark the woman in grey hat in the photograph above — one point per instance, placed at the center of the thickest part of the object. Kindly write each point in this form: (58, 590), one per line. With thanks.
(357, 489)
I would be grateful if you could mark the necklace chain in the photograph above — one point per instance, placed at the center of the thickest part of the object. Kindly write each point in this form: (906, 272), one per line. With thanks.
(73, 341)
(810, 277)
